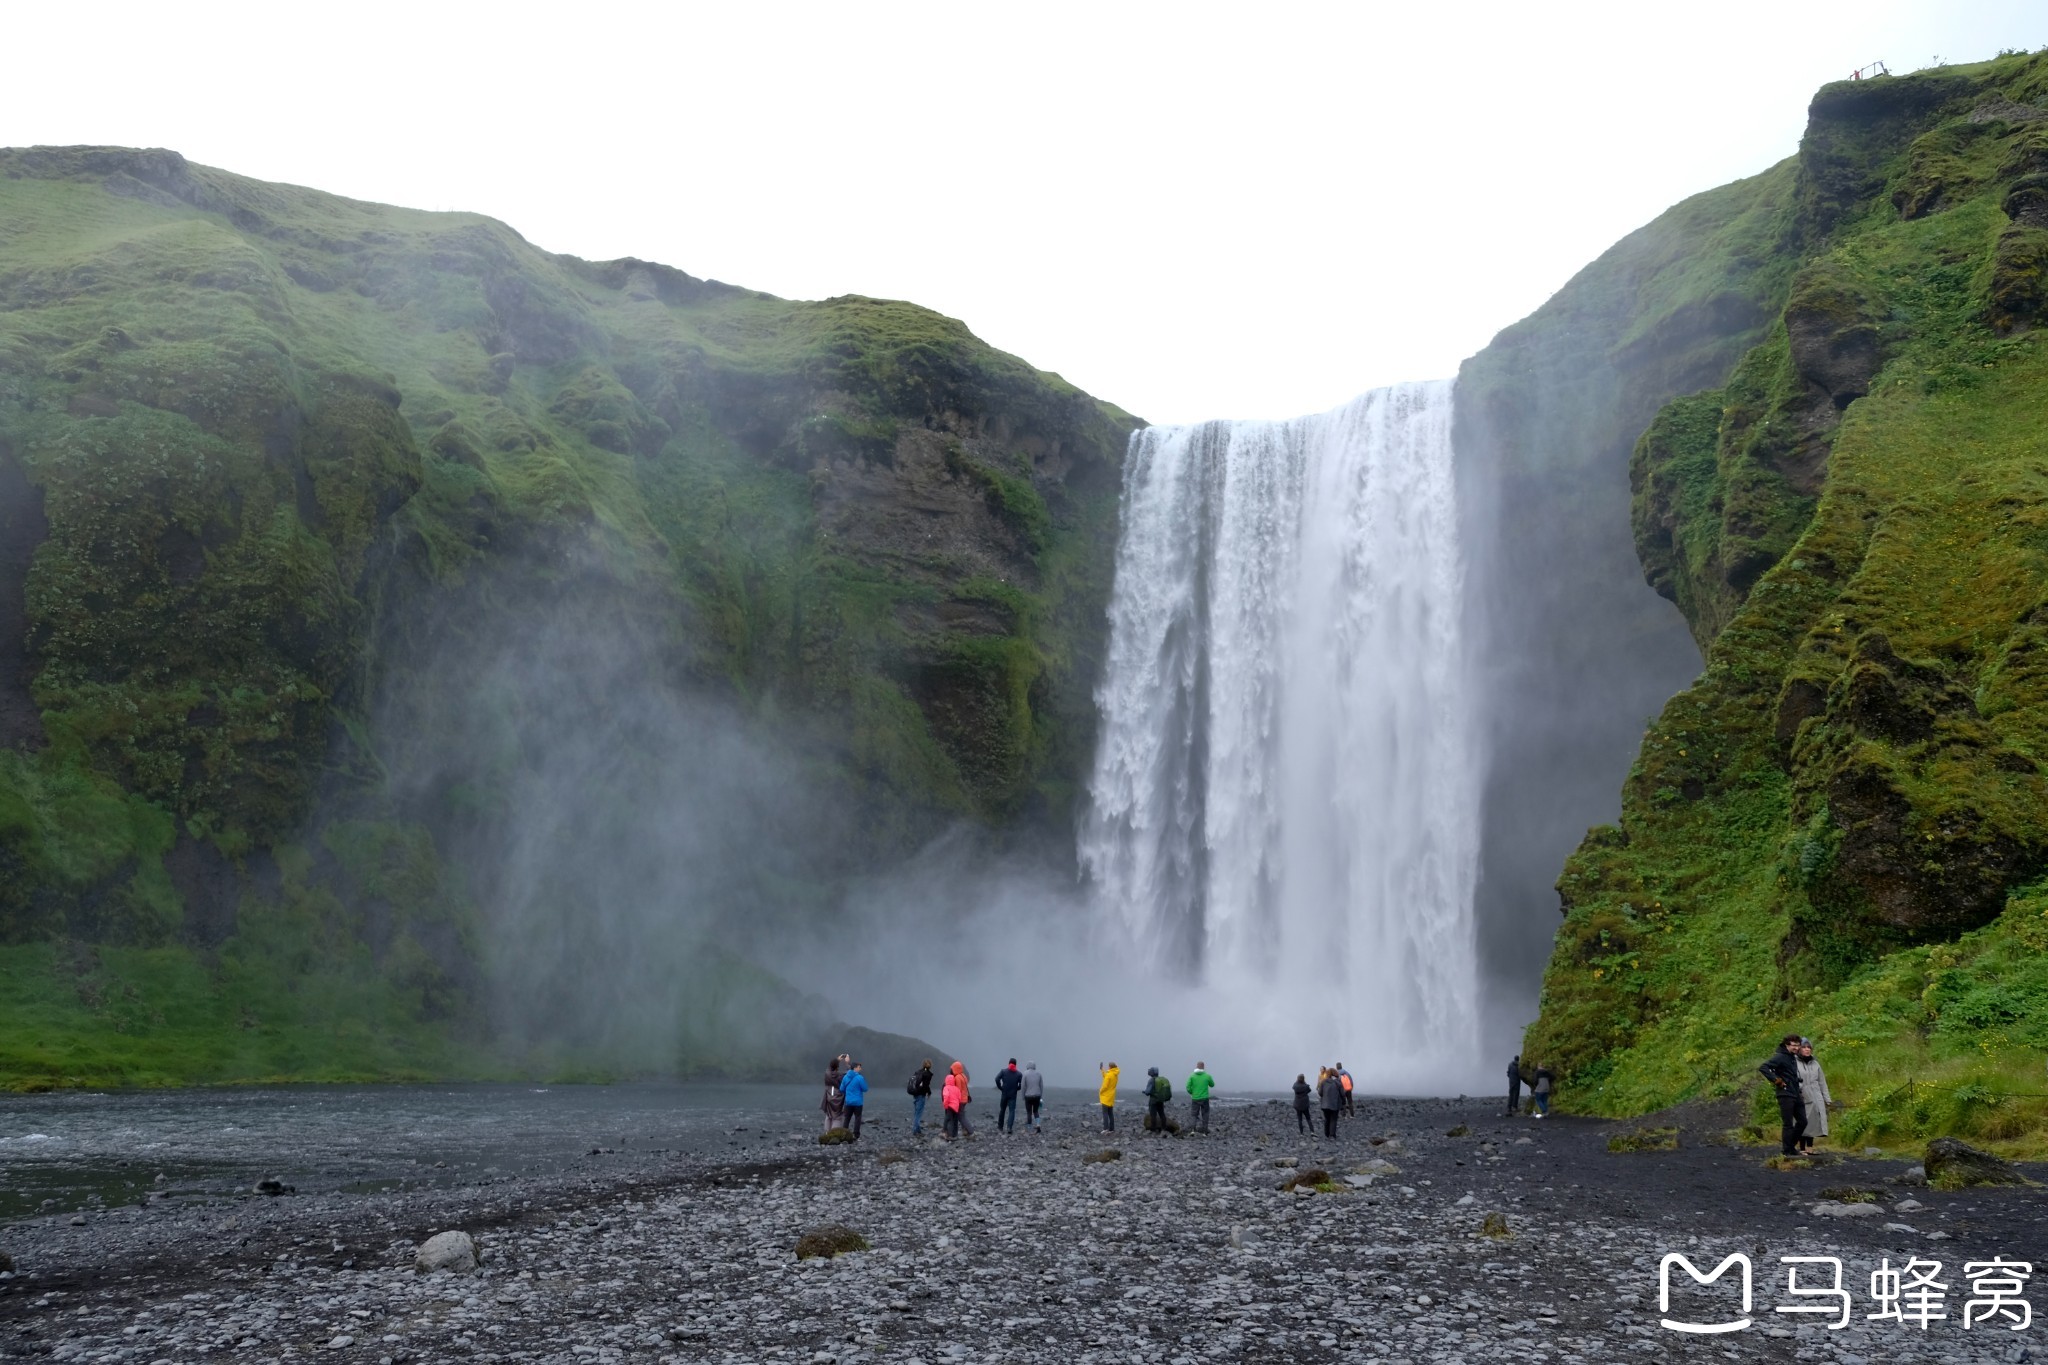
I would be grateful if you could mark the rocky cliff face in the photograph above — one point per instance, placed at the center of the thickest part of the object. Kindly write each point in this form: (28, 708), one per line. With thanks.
(1840, 826)
(268, 458)
(1573, 653)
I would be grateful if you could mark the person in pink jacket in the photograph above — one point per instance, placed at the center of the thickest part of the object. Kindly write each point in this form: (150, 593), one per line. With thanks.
(950, 1099)
(966, 1098)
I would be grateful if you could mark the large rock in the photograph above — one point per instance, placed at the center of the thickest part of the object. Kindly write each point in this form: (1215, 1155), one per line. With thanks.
(450, 1251)
(1953, 1164)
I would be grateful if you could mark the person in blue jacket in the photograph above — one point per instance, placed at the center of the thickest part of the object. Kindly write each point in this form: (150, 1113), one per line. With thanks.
(855, 1088)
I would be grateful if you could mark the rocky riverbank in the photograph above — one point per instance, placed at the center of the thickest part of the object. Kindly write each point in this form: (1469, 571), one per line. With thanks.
(1020, 1248)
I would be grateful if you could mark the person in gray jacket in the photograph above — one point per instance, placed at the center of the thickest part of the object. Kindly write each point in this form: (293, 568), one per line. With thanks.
(1034, 1094)
(1813, 1088)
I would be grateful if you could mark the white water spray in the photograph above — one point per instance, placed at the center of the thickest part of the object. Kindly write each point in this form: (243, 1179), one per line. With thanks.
(1285, 800)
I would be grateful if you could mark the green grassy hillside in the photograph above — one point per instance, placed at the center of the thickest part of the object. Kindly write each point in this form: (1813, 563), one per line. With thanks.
(1842, 827)
(263, 451)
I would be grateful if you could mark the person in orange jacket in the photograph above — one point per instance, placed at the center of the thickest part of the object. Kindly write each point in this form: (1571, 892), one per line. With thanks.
(966, 1098)
(949, 1099)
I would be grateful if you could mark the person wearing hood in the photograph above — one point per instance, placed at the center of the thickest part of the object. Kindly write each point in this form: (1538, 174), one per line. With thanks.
(1333, 1102)
(1302, 1090)
(1008, 1082)
(855, 1087)
(1782, 1071)
(1157, 1091)
(1515, 1084)
(1813, 1089)
(960, 1071)
(1199, 1086)
(1034, 1094)
(1106, 1093)
(949, 1100)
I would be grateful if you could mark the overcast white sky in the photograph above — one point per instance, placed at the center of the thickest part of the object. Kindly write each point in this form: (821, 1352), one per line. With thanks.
(1194, 211)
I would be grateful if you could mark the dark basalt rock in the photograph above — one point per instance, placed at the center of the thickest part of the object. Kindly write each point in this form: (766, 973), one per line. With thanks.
(1953, 1164)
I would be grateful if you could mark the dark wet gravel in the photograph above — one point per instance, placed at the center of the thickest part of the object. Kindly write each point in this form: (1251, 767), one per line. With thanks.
(1015, 1249)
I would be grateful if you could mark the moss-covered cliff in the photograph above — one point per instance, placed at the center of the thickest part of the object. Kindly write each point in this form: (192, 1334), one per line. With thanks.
(1842, 826)
(265, 452)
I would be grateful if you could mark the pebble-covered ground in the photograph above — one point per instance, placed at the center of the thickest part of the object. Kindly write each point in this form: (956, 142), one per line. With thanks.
(1020, 1249)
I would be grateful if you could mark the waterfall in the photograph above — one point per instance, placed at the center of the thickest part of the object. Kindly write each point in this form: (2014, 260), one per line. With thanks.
(1285, 797)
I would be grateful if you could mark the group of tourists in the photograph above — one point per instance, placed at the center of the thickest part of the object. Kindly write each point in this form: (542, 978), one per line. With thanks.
(1802, 1093)
(1156, 1091)
(1332, 1092)
(1540, 1081)
(1801, 1087)
(846, 1088)
(954, 1095)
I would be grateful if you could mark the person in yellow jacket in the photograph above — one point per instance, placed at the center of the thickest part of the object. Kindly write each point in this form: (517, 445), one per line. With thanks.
(1108, 1095)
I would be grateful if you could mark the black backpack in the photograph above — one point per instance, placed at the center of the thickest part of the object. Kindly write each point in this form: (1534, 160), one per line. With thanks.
(911, 1088)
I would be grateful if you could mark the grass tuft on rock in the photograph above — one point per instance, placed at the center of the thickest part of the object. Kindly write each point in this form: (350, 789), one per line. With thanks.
(1955, 1165)
(1644, 1140)
(829, 1240)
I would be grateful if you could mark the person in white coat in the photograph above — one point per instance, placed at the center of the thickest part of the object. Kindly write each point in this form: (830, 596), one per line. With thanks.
(1813, 1086)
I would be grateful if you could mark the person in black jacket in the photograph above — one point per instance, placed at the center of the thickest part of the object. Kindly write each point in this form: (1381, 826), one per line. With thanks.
(920, 1090)
(1782, 1071)
(1515, 1085)
(1302, 1090)
(1333, 1102)
(1008, 1082)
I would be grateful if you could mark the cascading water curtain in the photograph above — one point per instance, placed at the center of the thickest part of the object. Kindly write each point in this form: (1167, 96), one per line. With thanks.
(1285, 799)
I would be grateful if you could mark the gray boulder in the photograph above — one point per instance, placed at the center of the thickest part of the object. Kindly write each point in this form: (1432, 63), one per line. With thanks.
(451, 1251)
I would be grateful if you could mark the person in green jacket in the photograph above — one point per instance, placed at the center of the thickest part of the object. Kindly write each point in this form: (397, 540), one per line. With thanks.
(1199, 1086)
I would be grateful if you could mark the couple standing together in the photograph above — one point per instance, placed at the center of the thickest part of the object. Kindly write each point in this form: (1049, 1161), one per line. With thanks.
(1802, 1093)
(846, 1095)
